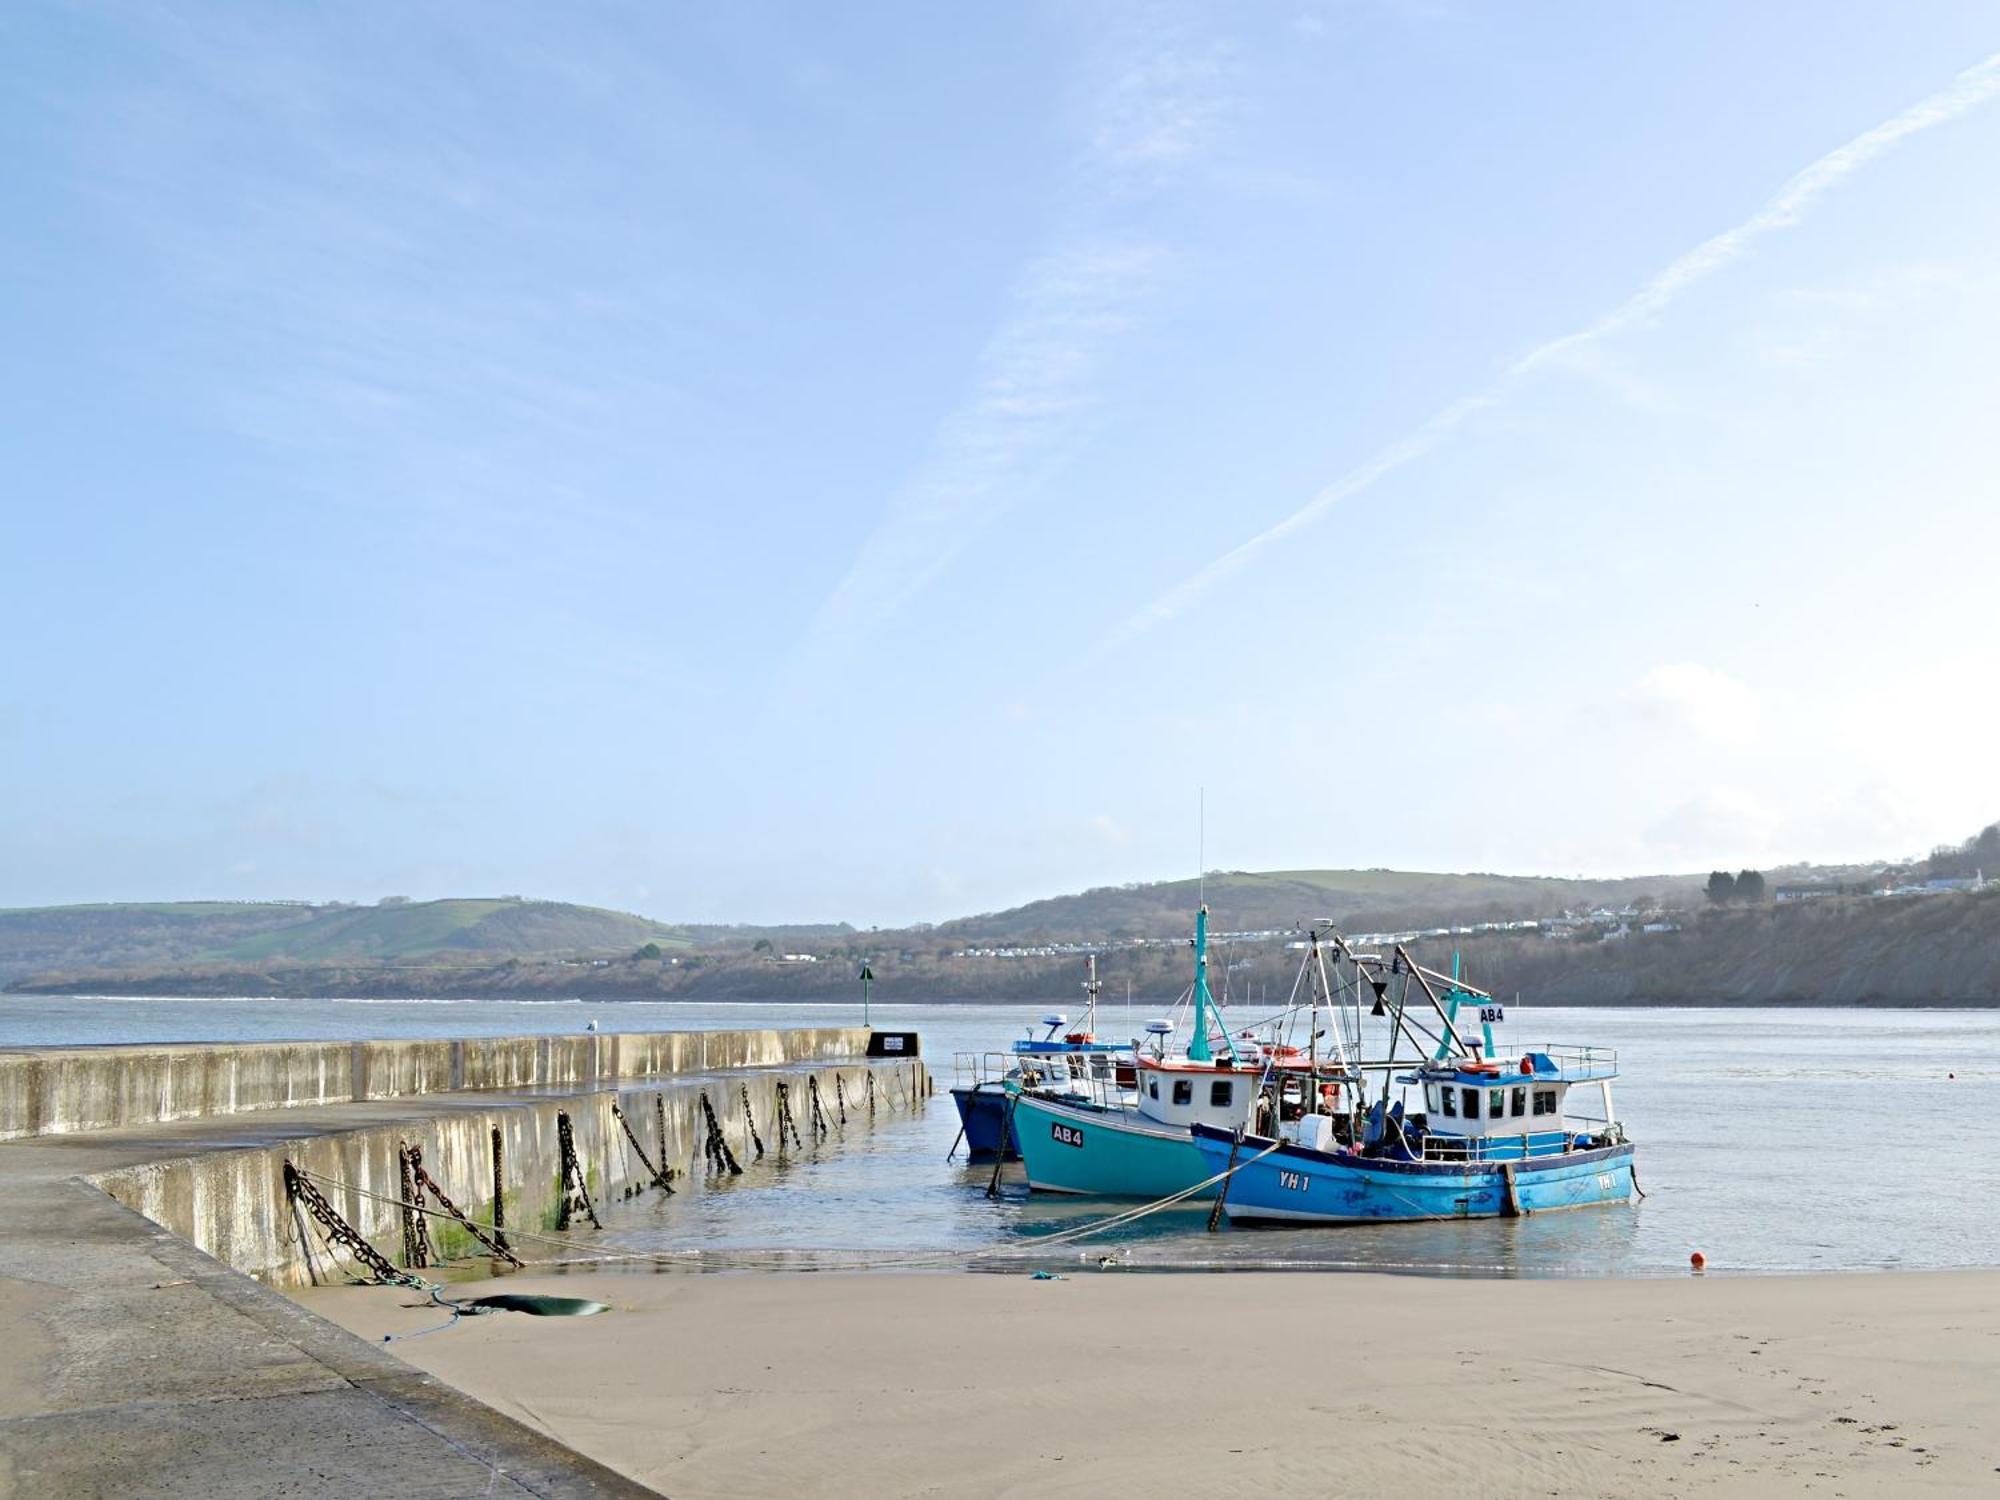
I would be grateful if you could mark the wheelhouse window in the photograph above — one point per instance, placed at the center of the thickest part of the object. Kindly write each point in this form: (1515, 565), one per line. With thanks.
(1450, 1097)
(1496, 1105)
(1471, 1103)
(1153, 1087)
(1183, 1091)
(1545, 1101)
(1221, 1091)
(1520, 1103)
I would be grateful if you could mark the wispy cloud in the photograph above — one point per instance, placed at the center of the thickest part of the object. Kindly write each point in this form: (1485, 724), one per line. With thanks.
(1971, 89)
(1155, 99)
(1036, 376)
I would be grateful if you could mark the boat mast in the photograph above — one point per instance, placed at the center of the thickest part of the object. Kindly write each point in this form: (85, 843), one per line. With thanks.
(1090, 989)
(1333, 1007)
(1312, 1032)
(1198, 1048)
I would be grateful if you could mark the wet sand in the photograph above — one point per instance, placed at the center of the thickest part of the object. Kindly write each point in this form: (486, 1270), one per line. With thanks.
(891, 1385)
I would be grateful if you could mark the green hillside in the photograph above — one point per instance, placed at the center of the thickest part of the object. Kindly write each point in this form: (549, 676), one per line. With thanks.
(424, 929)
(1275, 899)
(182, 934)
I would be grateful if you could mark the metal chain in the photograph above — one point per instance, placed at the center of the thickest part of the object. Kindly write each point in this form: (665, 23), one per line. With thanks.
(785, 1120)
(416, 1238)
(570, 1172)
(425, 1180)
(658, 1174)
(820, 1127)
(751, 1120)
(340, 1232)
(717, 1145)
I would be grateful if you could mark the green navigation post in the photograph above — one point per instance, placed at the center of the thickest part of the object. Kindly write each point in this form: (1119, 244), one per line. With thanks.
(867, 979)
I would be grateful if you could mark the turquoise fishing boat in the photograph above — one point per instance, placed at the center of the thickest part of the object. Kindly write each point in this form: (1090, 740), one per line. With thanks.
(1144, 1147)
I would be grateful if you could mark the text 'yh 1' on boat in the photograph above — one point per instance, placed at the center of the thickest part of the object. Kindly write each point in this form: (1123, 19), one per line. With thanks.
(1289, 1122)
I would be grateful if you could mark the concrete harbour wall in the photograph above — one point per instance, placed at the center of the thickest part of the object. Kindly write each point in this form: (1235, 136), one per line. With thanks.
(49, 1091)
(137, 1359)
(232, 1204)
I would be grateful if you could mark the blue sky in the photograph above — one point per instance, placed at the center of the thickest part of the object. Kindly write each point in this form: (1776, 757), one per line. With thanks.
(878, 462)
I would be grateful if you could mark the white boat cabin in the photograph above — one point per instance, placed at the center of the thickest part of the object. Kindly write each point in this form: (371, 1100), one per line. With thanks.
(1481, 1100)
(1176, 1091)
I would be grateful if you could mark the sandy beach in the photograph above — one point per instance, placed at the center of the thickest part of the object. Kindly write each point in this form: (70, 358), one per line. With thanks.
(928, 1384)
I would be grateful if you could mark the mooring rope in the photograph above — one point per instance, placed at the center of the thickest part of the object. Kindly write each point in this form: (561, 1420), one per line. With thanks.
(893, 1262)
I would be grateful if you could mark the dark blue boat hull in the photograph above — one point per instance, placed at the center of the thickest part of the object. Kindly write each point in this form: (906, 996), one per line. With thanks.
(989, 1132)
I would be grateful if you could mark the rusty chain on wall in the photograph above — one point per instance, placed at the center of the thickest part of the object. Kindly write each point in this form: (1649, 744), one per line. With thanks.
(820, 1127)
(416, 1228)
(659, 1174)
(720, 1157)
(785, 1120)
(751, 1120)
(425, 1180)
(571, 1191)
(339, 1232)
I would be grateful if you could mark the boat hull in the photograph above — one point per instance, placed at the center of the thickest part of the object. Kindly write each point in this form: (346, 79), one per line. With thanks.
(1107, 1153)
(1293, 1185)
(982, 1110)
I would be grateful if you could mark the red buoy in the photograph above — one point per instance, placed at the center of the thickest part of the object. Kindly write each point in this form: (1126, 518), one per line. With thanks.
(1698, 1260)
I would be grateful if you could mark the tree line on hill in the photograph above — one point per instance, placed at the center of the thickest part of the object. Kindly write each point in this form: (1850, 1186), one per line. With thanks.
(1746, 886)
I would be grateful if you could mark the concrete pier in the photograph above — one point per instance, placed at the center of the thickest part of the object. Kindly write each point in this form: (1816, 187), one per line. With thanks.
(51, 1090)
(140, 1360)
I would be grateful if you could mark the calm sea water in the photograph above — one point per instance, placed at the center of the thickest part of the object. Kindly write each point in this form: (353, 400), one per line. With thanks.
(1771, 1140)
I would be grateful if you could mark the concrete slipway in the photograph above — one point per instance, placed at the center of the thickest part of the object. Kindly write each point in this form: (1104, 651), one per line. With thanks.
(132, 1363)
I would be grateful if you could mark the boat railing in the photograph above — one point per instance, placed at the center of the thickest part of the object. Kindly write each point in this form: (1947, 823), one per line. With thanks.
(1581, 1063)
(1529, 1146)
(1095, 1074)
(1093, 1080)
(1067, 1072)
(980, 1069)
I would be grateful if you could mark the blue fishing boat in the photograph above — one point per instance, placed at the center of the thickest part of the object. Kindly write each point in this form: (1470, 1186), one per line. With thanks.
(1492, 1141)
(1061, 1062)
(1489, 1139)
(1144, 1146)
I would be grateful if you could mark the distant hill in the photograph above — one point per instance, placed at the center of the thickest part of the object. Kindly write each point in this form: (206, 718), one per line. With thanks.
(1243, 901)
(210, 934)
(1840, 947)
